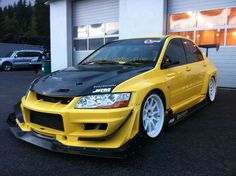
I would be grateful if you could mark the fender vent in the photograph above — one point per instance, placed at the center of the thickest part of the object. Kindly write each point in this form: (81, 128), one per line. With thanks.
(62, 100)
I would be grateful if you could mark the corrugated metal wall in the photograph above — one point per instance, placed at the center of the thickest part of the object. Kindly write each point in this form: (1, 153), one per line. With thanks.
(93, 11)
(225, 58)
(225, 61)
(176, 6)
(87, 12)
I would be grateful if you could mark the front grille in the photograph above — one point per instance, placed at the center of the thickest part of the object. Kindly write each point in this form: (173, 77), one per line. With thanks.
(53, 121)
(62, 100)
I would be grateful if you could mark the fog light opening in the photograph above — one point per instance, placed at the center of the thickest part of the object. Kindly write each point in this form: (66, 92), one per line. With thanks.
(95, 126)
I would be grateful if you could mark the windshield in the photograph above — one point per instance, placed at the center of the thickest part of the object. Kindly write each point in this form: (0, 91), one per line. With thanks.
(134, 51)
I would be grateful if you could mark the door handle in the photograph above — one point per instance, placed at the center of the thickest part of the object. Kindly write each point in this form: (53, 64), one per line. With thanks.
(188, 69)
(171, 75)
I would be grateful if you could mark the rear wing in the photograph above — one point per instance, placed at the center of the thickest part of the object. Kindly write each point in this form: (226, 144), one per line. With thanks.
(217, 46)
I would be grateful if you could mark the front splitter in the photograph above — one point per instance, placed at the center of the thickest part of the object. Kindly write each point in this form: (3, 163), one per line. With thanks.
(52, 144)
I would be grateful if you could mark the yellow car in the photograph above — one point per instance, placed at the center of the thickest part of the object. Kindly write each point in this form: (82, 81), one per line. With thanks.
(124, 89)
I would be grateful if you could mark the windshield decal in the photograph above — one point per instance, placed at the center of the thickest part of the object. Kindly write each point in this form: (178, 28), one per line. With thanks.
(151, 41)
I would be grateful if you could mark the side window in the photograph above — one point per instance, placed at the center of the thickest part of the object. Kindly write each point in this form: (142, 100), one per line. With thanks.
(28, 54)
(20, 54)
(192, 52)
(175, 52)
(32, 54)
(36, 54)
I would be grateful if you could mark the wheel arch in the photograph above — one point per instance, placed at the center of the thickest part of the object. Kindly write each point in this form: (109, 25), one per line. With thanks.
(207, 79)
(7, 61)
(161, 94)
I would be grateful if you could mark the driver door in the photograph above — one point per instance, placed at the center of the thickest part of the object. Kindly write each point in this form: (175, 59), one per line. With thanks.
(19, 58)
(177, 80)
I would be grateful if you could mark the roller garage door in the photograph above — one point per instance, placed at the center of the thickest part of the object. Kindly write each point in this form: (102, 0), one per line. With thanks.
(208, 22)
(94, 23)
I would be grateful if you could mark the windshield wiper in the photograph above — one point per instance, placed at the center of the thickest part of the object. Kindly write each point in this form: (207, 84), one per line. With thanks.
(102, 62)
(137, 62)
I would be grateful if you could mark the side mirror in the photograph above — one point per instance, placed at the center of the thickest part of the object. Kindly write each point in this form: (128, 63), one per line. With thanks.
(166, 62)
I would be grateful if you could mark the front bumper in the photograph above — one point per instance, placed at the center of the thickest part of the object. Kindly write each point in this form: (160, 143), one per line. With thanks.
(74, 138)
(52, 144)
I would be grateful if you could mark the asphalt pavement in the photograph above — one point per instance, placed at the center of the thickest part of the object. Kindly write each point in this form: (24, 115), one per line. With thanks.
(202, 144)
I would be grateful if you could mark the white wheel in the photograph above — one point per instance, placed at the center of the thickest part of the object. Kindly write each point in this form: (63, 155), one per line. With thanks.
(153, 115)
(212, 89)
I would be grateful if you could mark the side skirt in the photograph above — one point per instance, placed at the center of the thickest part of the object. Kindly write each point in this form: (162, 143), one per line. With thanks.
(172, 119)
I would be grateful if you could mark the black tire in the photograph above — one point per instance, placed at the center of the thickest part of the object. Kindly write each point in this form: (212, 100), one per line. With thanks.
(144, 115)
(6, 66)
(211, 91)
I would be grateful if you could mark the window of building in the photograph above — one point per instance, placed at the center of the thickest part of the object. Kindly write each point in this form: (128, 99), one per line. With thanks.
(231, 37)
(206, 27)
(211, 18)
(81, 31)
(95, 43)
(90, 37)
(182, 20)
(192, 52)
(112, 28)
(187, 34)
(80, 44)
(109, 39)
(232, 16)
(210, 37)
(96, 30)
(175, 52)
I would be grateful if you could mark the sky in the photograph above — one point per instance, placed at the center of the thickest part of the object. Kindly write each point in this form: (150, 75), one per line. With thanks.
(4, 3)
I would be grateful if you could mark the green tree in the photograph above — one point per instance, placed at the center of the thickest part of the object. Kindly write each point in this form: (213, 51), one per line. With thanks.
(41, 16)
(2, 30)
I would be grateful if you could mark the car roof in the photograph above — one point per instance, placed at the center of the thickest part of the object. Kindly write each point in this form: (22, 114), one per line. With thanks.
(161, 36)
(28, 51)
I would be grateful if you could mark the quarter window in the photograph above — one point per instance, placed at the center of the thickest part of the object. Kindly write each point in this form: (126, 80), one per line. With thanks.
(175, 52)
(192, 52)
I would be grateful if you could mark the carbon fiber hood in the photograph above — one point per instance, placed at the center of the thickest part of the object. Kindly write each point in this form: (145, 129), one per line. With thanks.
(86, 79)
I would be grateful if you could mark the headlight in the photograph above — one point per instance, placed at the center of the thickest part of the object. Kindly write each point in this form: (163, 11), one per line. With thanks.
(104, 101)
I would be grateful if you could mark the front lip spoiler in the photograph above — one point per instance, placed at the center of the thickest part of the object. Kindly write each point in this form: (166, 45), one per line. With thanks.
(53, 145)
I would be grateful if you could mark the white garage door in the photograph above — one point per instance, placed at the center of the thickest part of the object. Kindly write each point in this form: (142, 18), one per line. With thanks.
(208, 22)
(94, 23)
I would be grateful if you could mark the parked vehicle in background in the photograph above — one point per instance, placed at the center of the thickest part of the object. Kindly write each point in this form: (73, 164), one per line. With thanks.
(19, 59)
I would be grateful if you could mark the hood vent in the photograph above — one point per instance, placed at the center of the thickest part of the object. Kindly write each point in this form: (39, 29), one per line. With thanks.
(62, 100)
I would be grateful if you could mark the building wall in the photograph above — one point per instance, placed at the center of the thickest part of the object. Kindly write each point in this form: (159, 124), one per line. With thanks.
(176, 6)
(225, 61)
(142, 18)
(61, 34)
